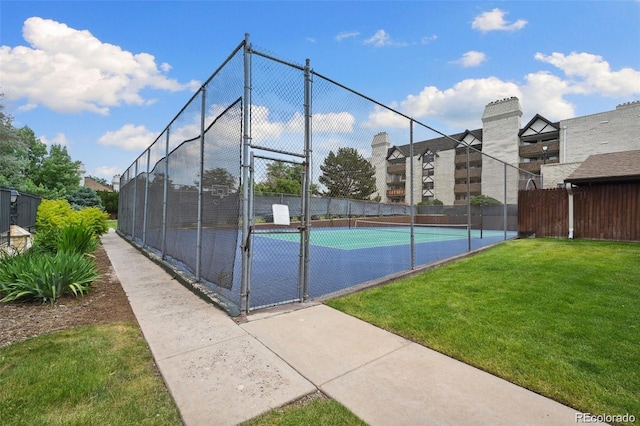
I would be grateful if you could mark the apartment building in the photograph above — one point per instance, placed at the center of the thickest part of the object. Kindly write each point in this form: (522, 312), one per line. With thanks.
(540, 147)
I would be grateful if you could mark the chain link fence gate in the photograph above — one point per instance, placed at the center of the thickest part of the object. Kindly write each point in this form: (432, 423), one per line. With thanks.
(251, 189)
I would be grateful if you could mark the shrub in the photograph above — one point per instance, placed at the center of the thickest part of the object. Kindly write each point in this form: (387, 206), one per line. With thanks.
(94, 219)
(45, 277)
(55, 215)
(109, 201)
(84, 197)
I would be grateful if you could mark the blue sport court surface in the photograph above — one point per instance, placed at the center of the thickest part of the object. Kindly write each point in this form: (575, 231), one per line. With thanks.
(344, 257)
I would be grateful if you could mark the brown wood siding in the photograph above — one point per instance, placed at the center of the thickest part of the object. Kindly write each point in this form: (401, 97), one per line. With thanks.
(605, 212)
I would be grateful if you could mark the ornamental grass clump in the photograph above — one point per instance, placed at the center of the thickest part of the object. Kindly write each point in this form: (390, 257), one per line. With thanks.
(75, 238)
(45, 277)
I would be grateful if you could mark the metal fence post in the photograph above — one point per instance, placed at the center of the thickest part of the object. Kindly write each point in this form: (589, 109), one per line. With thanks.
(135, 201)
(468, 202)
(411, 201)
(306, 197)
(246, 142)
(200, 186)
(505, 210)
(146, 201)
(165, 193)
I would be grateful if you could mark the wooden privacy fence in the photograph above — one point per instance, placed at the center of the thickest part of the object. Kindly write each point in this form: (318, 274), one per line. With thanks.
(603, 211)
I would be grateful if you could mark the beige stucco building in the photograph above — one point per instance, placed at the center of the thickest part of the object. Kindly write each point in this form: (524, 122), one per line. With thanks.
(540, 147)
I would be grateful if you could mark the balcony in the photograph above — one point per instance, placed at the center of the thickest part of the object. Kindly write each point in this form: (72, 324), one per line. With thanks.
(473, 173)
(395, 193)
(534, 166)
(396, 168)
(392, 181)
(461, 188)
(535, 150)
(474, 157)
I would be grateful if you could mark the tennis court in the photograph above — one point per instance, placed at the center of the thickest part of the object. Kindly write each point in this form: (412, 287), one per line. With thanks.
(344, 257)
(369, 234)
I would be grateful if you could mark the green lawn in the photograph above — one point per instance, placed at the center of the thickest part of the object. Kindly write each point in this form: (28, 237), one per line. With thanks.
(95, 375)
(559, 317)
(321, 411)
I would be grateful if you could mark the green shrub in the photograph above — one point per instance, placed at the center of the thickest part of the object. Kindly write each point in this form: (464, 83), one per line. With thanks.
(45, 277)
(94, 219)
(84, 197)
(55, 215)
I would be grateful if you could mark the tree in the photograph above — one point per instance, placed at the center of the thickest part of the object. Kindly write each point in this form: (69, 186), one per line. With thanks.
(58, 172)
(218, 176)
(25, 165)
(348, 175)
(13, 153)
(36, 150)
(282, 178)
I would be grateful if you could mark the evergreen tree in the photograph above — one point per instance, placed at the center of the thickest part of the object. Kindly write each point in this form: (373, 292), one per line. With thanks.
(84, 197)
(348, 175)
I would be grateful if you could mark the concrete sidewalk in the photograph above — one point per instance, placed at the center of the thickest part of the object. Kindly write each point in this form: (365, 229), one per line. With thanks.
(220, 372)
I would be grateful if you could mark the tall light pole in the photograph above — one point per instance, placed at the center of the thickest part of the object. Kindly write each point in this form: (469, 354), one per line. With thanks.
(544, 154)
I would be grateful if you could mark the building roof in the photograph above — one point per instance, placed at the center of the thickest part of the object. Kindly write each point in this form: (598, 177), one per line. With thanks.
(612, 167)
(437, 144)
(96, 186)
(550, 126)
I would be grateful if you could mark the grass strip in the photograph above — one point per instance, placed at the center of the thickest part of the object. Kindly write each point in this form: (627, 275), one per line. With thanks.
(558, 317)
(102, 374)
(318, 411)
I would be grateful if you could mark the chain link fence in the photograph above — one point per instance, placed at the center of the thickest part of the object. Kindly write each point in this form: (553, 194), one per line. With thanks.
(277, 184)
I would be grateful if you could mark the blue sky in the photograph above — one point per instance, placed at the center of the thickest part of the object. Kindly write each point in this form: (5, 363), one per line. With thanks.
(104, 78)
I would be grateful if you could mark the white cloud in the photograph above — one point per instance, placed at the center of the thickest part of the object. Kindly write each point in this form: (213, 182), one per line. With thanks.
(494, 21)
(59, 139)
(345, 34)
(460, 106)
(590, 73)
(471, 58)
(332, 122)
(106, 172)
(69, 70)
(542, 92)
(27, 107)
(382, 118)
(382, 39)
(428, 39)
(129, 138)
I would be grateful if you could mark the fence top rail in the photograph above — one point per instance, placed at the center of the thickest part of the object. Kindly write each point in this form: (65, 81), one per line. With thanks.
(411, 120)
